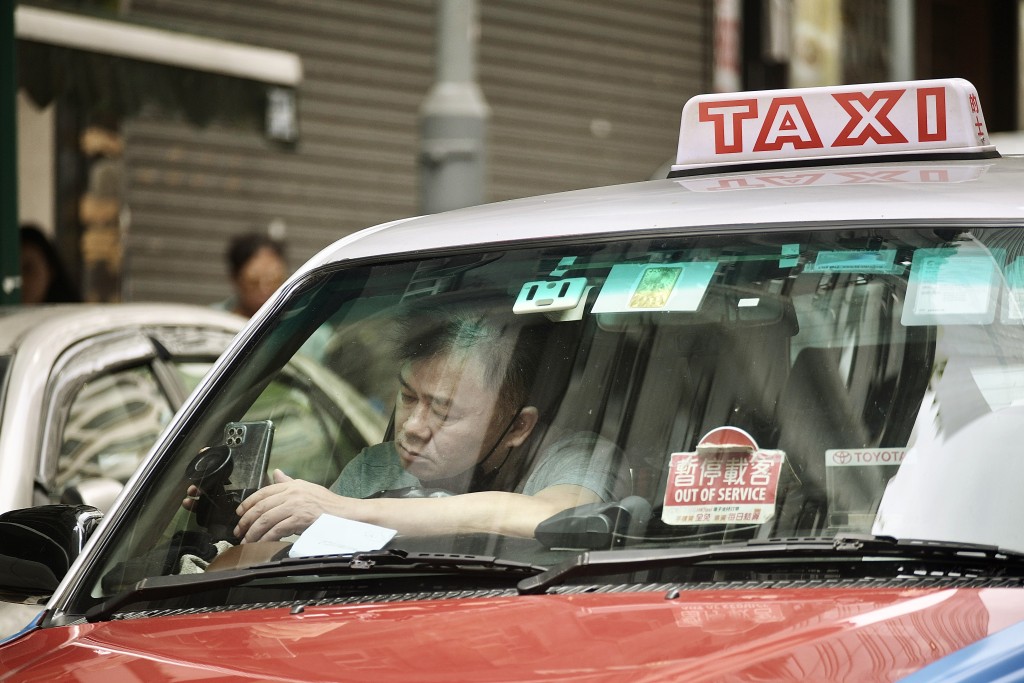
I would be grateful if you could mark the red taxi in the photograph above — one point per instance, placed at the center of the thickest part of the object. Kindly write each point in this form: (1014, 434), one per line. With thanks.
(757, 421)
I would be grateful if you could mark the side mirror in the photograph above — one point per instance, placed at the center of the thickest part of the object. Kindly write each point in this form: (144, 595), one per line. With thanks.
(37, 547)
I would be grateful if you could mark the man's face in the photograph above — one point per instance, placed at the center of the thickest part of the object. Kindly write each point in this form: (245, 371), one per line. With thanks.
(446, 415)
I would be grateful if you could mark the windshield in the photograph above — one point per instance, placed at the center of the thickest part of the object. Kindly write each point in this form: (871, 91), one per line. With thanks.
(681, 391)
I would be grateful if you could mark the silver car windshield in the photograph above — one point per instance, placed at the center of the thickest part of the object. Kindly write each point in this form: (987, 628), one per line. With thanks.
(727, 387)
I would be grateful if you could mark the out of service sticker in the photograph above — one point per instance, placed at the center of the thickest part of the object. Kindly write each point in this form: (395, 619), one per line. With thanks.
(727, 480)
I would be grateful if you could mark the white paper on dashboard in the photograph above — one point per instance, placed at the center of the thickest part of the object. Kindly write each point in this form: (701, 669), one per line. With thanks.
(331, 535)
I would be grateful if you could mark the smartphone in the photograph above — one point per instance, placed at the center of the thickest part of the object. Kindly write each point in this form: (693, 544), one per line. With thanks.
(249, 443)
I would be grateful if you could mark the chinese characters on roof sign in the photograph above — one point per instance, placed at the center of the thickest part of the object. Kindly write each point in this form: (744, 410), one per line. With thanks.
(911, 117)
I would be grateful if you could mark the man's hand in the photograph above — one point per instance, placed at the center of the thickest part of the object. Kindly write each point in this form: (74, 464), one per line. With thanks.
(286, 507)
(191, 496)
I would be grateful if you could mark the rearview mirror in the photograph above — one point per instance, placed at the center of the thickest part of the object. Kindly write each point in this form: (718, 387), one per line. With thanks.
(596, 525)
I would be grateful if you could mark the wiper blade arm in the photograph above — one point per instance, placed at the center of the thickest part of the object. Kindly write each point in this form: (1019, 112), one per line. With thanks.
(383, 561)
(605, 561)
(848, 546)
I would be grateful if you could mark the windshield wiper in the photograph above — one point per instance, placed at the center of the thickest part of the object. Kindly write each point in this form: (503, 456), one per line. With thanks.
(377, 562)
(848, 547)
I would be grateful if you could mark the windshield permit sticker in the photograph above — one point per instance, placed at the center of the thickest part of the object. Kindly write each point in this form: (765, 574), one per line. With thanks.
(727, 480)
(790, 256)
(880, 261)
(655, 287)
(563, 266)
(1013, 302)
(331, 535)
(953, 285)
(853, 479)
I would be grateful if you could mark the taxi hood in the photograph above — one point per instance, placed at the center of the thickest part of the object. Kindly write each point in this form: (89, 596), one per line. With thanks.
(816, 634)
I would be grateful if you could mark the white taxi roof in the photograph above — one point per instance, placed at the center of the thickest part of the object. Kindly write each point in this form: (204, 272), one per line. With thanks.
(882, 179)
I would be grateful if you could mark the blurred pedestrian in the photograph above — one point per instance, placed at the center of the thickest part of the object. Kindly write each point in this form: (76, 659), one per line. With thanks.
(44, 280)
(258, 266)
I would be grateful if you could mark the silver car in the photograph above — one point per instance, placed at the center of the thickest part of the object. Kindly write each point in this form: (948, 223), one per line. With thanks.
(86, 390)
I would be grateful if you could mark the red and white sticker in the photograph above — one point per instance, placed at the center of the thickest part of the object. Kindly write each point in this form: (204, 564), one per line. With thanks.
(728, 480)
(940, 115)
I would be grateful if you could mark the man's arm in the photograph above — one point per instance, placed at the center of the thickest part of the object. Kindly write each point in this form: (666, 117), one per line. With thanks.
(290, 505)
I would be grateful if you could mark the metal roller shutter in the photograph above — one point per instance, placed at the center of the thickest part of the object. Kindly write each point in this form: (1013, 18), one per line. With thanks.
(581, 93)
(587, 93)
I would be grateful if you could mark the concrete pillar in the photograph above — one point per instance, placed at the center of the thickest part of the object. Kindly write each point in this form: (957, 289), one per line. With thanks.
(901, 40)
(453, 117)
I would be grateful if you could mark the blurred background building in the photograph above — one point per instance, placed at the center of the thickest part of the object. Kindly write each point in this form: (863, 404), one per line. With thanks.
(151, 131)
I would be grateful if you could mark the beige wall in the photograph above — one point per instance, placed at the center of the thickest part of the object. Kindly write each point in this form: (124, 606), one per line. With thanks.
(35, 164)
(817, 39)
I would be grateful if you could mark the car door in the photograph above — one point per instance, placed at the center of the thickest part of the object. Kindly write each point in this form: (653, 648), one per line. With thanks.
(110, 397)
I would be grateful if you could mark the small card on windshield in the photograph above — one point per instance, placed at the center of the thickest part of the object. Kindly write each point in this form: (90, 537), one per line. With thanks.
(330, 535)
(632, 287)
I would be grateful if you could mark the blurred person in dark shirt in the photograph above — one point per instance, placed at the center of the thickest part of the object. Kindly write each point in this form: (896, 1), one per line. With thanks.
(44, 280)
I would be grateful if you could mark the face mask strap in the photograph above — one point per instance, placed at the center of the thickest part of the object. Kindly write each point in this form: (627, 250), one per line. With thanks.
(504, 433)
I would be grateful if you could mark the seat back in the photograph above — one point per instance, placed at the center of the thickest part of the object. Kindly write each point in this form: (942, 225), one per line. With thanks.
(827, 412)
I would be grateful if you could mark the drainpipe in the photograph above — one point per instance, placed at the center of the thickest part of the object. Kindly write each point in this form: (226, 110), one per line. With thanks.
(453, 117)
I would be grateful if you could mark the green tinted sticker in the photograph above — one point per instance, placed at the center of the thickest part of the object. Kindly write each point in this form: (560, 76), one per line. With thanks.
(655, 287)
(953, 285)
(1013, 302)
(877, 261)
(790, 256)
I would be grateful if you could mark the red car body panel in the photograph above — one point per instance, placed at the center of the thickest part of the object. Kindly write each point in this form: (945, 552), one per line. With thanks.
(730, 635)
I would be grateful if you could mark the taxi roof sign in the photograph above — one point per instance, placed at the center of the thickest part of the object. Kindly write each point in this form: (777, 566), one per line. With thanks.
(832, 125)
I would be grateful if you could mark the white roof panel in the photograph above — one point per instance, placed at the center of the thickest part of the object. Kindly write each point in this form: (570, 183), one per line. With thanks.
(975, 190)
